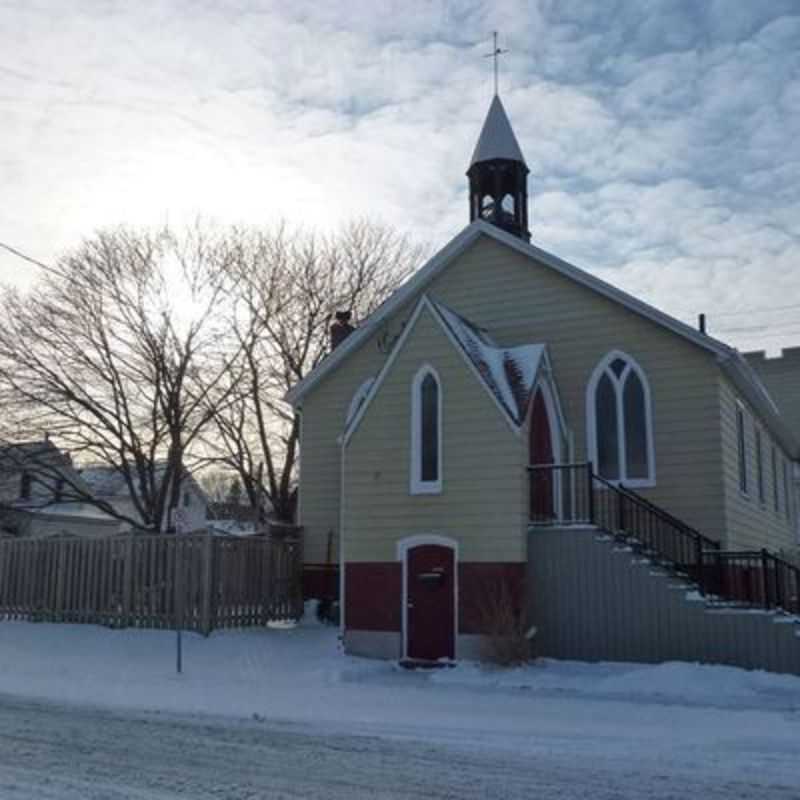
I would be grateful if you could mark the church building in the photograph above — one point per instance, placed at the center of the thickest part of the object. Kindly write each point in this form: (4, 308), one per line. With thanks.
(535, 433)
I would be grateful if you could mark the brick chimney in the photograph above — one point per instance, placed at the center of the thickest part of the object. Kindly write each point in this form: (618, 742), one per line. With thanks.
(341, 329)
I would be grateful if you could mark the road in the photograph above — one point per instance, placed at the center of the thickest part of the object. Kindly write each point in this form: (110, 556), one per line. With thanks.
(51, 751)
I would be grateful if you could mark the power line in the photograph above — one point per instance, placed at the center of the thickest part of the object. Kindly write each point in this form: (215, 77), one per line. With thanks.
(786, 326)
(29, 259)
(774, 334)
(764, 310)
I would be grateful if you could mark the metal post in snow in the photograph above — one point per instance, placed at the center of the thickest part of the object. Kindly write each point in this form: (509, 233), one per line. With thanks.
(179, 522)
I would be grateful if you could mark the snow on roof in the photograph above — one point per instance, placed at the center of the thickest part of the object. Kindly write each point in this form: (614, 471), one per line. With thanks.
(497, 139)
(105, 480)
(232, 527)
(509, 372)
(82, 510)
(729, 361)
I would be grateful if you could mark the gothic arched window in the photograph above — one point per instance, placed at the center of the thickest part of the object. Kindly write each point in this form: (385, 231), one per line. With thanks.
(426, 432)
(619, 422)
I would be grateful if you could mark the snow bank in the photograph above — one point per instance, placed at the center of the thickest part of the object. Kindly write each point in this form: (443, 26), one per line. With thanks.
(671, 682)
(301, 674)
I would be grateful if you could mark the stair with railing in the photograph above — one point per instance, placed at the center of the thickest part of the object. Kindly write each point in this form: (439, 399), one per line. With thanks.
(572, 494)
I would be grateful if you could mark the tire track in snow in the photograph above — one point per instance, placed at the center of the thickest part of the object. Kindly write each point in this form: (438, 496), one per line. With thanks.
(75, 753)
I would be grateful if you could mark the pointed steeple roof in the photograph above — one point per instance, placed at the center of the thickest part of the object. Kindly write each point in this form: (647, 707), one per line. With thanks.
(497, 139)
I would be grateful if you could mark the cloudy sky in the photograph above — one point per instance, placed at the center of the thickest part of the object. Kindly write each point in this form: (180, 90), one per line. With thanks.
(663, 136)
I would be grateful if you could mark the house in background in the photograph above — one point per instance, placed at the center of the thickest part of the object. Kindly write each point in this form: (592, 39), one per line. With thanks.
(523, 411)
(232, 519)
(43, 495)
(107, 483)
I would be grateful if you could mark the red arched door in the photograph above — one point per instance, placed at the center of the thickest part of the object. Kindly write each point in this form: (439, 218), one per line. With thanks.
(541, 452)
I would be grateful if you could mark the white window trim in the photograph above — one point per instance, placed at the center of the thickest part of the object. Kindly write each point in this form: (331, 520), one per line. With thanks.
(591, 419)
(416, 484)
(743, 471)
(776, 486)
(761, 482)
(794, 480)
(357, 401)
(403, 548)
(557, 435)
(787, 489)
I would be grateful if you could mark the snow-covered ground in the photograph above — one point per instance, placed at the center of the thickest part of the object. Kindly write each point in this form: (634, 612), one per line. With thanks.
(666, 727)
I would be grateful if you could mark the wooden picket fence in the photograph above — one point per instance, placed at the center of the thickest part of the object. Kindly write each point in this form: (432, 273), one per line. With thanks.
(198, 582)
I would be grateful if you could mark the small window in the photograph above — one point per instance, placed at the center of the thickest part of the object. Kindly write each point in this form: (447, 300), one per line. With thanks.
(426, 433)
(741, 448)
(762, 494)
(776, 495)
(25, 484)
(187, 499)
(59, 492)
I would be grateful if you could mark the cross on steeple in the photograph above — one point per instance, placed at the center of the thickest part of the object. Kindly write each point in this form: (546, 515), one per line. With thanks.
(495, 54)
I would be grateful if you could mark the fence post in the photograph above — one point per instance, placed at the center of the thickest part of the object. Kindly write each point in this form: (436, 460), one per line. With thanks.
(127, 581)
(764, 559)
(590, 491)
(61, 579)
(620, 510)
(207, 579)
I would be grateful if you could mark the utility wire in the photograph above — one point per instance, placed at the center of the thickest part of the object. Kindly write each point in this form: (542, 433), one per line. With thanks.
(764, 310)
(29, 259)
(786, 326)
(756, 310)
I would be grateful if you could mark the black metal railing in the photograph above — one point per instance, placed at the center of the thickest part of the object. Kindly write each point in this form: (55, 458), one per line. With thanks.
(570, 494)
(560, 493)
(657, 533)
(756, 577)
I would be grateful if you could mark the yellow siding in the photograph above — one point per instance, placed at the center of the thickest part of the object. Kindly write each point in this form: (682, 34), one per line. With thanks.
(751, 524)
(520, 302)
(323, 417)
(483, 488)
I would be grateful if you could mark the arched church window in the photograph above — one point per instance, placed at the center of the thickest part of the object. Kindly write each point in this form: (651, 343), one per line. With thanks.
(487, 207)
(619, 422)
(507, 204)
(358, 400)
(426, 432)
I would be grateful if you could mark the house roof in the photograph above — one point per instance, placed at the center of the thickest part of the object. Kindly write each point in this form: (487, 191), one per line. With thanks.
(106, 481)
(508, 374)
(729, 359)
(19, 454)
(497, 139)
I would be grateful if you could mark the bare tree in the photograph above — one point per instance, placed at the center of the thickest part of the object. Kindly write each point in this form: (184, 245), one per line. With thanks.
(122, 355)
(290, 284)
(216, 483)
